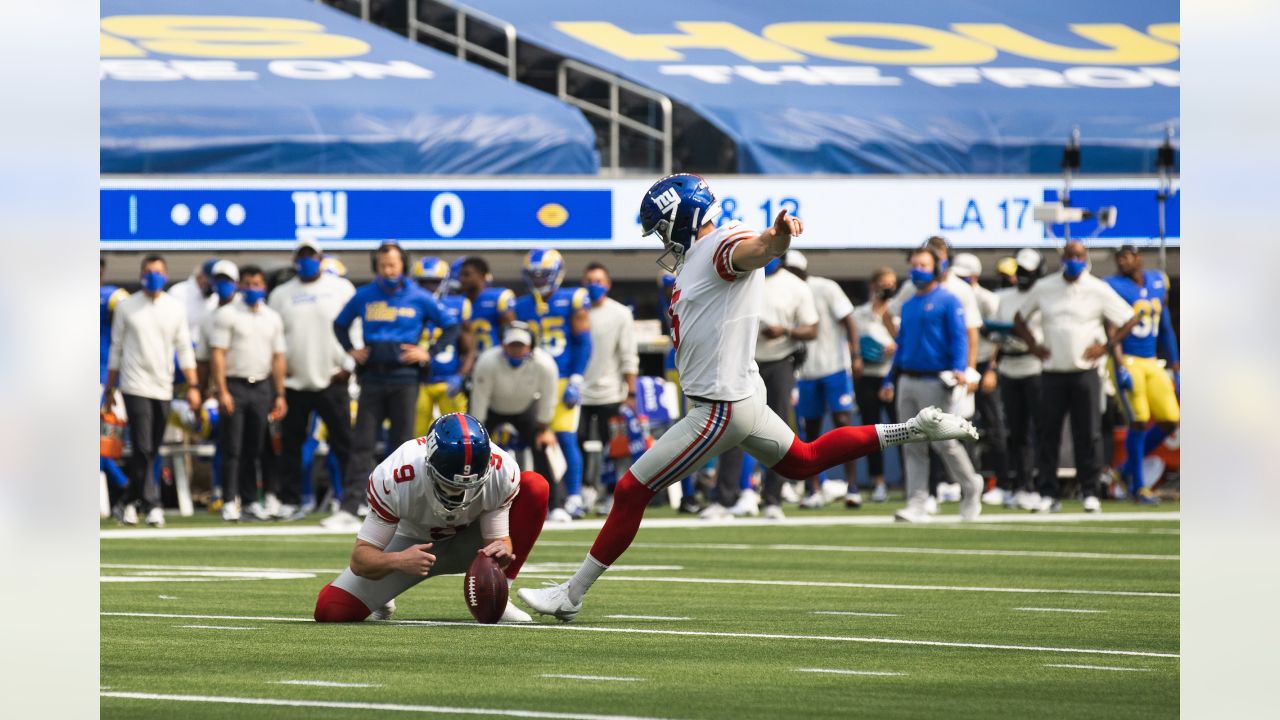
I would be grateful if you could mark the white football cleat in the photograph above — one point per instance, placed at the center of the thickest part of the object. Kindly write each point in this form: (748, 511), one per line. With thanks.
(853, 500)
(931, 505)
(880, 494)
(258, 511)
(813, 502)
(155, 517)
(788, 493)
(341, 520)
(514, 614)
(748, 504)
(933, 424)
(575, 506)
(716, 511)
(1048, 505)
(272, 505)
(551, 600)
(289, 512)
(949, 492)
(773, 512)
(912, 513)
(1027, 500)
(559, 515)
(231, 511)
(1091, 505)
(385, 612)
(604, 505)
(994, 496)
(129, 514)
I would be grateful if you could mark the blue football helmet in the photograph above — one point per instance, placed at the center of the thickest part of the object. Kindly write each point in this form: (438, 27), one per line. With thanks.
(543, 271)
(429, 271)
(457, 459)
(674, 208)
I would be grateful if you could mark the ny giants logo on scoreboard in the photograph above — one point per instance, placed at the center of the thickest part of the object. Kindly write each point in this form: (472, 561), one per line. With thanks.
(320, 214)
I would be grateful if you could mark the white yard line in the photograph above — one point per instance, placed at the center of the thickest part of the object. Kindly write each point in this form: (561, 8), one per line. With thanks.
(646, 617)
(779, 583)
(855, 614)
(687, 633)
(664, 523)
(1100, 667)
(794, 547)
(389, 707)
(217, 627)
(591, 677)
(1059, 610)
(834, 671)
(324, 683)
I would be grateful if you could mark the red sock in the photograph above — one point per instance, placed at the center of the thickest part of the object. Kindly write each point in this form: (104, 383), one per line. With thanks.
(528, 512)
(833, 448)
(337, 605)
(630, 498)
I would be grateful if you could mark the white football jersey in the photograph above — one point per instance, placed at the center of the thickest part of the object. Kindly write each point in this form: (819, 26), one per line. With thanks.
(402, 498)
(715, 316)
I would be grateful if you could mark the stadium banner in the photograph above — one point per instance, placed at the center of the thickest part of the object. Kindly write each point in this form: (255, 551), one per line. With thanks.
(602, 214)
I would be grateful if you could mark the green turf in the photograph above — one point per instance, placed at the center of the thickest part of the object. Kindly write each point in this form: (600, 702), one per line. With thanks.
(681, 676)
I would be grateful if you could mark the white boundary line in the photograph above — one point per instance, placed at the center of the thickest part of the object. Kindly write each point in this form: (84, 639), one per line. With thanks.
(791, 583)
(391, 707)
(1059, 610)
(663, 523)
(646, 617)
(217, 627)
(324, 683)
(853, 613)
(687, 633)
(561, 676)
(1099, 667)
(834, 671)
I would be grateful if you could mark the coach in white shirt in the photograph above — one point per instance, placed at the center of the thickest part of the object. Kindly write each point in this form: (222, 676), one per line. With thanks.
(517, 383)
(610, 378)
(988, 411)
(246, 359)
(147, 329)
(788, 320)
(1019, 371)
(318, 369)
(196, 296)
(1073, 306)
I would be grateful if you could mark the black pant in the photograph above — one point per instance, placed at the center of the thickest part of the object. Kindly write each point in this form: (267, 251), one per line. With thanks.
(146, 431)
(241, 434)
(397, 402)
(1021, 399)
(779, 378)
(1078, 394)
(594, 425)
(871, 410)
(526, 424)
(989, 416)
(333, 405)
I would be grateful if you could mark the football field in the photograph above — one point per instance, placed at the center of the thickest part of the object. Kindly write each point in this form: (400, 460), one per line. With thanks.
(829, 614)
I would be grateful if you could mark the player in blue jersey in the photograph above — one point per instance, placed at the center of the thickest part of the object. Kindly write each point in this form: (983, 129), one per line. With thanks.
(108, 296)
(1152, 392)
(442, 382)
(562, 327)
(492, 308)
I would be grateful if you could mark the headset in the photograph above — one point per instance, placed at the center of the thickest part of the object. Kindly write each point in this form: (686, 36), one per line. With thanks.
(937, 261)
(404, 258)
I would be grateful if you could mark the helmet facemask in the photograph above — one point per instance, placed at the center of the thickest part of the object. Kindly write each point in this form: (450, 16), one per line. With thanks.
(458, 491)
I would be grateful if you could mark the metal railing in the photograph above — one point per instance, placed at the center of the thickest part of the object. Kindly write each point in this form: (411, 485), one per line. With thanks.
(613, 115)
(464, 48)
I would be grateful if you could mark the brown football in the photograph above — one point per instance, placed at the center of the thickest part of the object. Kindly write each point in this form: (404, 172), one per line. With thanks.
(484, 589)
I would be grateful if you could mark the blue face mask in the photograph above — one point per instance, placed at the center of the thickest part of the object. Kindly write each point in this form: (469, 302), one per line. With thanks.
(390, 284)
(226, 289)
(1072, 269)
(920, 278)
(308, 267)
(154, 281)
(944, 266)
(596, 291)
(515, 362)
(253, 296)
(773, 266)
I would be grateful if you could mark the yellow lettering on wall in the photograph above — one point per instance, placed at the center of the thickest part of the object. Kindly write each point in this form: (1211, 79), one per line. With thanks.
(224, 36)
(937, 47)
(661, 46)
(1122, 44)
(1169, 32)
(110, 46)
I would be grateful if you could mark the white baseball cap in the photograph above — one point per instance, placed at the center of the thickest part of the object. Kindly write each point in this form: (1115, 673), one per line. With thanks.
(517, 333)
(225, 267)
(308, 242)
(966, 265)
(1028, 259)
(794, 259)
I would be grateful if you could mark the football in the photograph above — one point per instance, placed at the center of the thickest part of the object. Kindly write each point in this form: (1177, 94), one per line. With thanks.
(485, 590)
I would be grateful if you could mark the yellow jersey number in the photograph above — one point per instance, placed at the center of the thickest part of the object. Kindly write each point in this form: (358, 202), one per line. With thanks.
(482, 331)
(1148, 312)
(551, 335)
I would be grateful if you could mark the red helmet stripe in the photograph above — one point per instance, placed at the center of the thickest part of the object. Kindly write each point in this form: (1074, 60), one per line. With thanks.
(466, 439)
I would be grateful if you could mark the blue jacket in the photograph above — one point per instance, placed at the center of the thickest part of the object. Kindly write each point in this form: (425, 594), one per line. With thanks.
(931, 334)
(389, 320)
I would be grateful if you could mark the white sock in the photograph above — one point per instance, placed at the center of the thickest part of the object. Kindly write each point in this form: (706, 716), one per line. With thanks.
(897, 434)
(588, 573)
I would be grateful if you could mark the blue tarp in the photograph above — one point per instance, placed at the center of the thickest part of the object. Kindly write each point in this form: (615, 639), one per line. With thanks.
(867, 86)
(290, 86)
